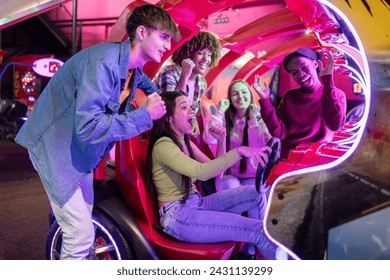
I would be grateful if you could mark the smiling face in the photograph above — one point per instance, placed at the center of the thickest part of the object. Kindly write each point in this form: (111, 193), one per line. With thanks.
(303, 70)
(154, 44)
(240, 96)
(183, 116)
(201, 59)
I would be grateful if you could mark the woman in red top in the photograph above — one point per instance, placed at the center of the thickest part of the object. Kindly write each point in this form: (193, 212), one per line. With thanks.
(310, 113)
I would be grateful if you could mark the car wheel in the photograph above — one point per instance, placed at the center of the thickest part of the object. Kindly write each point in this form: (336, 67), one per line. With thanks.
(109, 242)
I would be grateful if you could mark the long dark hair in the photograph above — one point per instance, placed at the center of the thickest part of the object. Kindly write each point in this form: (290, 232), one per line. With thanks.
(161, 128)
(229, 118)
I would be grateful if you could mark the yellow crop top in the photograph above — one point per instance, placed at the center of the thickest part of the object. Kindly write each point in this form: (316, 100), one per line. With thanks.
(170, 164)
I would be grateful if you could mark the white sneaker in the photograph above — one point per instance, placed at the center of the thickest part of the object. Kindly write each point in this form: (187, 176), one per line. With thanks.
(281, 254)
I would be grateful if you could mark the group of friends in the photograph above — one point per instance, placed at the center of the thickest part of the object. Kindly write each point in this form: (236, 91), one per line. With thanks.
(86, 108)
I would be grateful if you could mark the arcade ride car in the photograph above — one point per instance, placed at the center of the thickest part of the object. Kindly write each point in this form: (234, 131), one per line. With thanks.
(319, 187)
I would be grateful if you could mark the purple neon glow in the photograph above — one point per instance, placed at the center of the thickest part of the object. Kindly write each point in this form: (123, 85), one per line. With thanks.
(366, 84)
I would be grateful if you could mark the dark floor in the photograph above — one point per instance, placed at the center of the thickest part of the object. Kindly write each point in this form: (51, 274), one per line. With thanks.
(24, 206)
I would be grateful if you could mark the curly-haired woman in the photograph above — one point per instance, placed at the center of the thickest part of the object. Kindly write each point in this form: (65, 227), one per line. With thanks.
(190, 63)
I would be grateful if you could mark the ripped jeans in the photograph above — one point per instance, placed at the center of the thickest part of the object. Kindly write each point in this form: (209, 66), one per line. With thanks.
(231, 182)
(217, 218)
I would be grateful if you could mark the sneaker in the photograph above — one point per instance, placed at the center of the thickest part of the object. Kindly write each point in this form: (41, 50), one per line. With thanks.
(270, 250)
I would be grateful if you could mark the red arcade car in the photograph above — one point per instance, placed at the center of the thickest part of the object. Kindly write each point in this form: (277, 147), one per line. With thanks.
(328, 200)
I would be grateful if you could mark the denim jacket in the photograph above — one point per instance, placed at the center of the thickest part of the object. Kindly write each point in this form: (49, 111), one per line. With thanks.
(78, 118)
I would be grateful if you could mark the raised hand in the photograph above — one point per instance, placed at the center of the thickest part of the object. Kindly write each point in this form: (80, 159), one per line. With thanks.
(187, 65)
(155, 106)
(218, 131)
(254, 111)
(261, 87)
(223, 105)
(328, 68)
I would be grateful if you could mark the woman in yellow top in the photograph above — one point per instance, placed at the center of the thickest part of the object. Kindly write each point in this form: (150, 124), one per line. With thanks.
(174, 163)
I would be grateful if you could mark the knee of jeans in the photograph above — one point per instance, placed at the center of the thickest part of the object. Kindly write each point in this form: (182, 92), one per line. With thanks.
(85, 232)
(228, 182)
(253, 194)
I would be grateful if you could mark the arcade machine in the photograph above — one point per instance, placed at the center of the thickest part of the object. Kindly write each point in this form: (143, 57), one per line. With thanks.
(30, 74)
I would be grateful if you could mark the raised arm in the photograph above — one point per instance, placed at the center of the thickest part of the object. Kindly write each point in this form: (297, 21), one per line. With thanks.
(257, 131)
(186, 70)
(168, 154)
(334, 104)
(217, 119)
(273, 119)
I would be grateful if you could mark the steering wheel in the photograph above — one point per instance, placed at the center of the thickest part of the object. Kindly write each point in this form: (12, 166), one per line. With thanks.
(273, 158)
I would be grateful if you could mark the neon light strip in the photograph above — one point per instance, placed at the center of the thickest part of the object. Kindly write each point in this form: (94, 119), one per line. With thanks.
(357, 80)
(358, 77)
(367, 82)
(341, 142)
(359, 133)
(350, 51)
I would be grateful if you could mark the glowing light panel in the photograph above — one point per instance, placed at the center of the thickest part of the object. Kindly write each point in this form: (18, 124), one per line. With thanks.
(47, 67)
(365, 82)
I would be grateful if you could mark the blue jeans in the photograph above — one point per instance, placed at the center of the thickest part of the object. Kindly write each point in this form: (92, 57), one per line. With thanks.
(75, 220)
(217, 218)
(231, 182)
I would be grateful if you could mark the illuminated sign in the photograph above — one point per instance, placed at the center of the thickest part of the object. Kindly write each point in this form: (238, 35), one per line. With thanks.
(47, 67)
